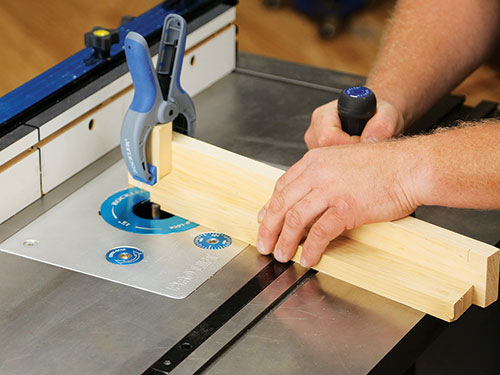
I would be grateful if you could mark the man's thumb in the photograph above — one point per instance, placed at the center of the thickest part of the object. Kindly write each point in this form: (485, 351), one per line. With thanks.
(377, 129)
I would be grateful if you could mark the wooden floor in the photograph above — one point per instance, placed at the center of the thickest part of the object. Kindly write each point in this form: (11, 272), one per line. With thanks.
(38, 34)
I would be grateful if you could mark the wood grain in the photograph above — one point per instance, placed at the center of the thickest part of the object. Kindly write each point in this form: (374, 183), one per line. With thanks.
(438, 249)
(159, 150)
(415, 263)
(396, 278)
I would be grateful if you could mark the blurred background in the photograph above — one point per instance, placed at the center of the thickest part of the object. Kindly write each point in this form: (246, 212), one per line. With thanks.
(334, 34)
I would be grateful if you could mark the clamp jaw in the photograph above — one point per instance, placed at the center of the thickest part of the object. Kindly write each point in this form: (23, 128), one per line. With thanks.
(158, 98)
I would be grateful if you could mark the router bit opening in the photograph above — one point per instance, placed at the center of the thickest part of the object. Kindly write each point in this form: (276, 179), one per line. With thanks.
(150, 211)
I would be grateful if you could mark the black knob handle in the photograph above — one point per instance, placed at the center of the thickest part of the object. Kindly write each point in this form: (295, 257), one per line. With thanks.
(356, 106)
(101, 39)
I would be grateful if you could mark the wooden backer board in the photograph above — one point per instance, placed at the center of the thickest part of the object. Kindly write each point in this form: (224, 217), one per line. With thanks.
(410, 261)
(156, 153)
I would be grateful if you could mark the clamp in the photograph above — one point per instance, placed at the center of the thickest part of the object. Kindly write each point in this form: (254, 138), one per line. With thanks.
(158, 98)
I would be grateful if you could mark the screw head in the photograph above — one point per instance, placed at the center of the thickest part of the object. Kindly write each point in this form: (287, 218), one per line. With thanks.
(125, 256)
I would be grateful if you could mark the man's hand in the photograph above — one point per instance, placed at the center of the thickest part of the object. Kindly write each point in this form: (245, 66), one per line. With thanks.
(334, 189)
(325, 128)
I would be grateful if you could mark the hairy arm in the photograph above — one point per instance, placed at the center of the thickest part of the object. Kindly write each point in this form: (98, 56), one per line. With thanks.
(459, 167)
(429, 47)
(343, 187)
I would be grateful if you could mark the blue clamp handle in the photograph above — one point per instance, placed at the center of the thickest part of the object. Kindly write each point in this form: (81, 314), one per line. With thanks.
(158, 97)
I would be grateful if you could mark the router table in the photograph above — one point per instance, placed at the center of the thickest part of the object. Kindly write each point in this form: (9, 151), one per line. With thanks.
(254, 315)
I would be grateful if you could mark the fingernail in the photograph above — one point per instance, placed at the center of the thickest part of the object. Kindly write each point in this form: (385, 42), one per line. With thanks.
(279, 255)
(260, 247)
(303, 262)
(261, 215)
(372, 139)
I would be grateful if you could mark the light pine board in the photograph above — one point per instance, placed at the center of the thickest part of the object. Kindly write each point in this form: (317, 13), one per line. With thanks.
(415, 263)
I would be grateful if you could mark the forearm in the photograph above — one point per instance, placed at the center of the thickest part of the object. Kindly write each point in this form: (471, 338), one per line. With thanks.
(455, 168)
(428, 48)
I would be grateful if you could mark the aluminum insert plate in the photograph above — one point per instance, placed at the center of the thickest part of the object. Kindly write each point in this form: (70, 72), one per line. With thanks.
(73, 235)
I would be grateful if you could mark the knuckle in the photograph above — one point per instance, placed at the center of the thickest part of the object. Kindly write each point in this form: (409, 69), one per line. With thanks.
(320, 230)
(343, 213)
(264, 231)
(317, 113)
(341, 206)
(307, 137)
(280, 184)
(293, 218)
(278, 203)
(382, 128)
(324, 140)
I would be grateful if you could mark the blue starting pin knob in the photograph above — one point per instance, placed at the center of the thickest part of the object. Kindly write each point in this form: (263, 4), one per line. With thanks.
(356, 106)
(212, 241)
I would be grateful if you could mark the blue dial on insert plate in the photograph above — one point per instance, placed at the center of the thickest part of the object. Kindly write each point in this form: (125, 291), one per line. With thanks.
(124, 255)
(212, 241)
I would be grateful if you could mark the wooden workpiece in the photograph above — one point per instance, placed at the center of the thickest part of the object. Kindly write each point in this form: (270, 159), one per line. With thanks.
(410, 261)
